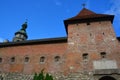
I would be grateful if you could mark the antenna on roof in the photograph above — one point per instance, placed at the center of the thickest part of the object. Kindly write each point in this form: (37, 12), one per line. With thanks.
(83, 5)
(26, 20)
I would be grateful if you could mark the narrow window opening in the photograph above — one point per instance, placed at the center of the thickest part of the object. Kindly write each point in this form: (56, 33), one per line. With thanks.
(0, 60)
(77, 24)
(88, 23)
(85, 56)
(90, 34)
(57, 58)
(103, 33)
(77, 34)
(13, 59)
(26, 59)
(103, 55)
(17, 40)
(42, 59)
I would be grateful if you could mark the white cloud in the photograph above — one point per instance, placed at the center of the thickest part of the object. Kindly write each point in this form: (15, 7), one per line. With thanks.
(57, 2)
(114, 8)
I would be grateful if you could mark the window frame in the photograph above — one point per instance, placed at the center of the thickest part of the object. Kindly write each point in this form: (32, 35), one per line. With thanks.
(26, 59)
(42, 59)
(57, 59)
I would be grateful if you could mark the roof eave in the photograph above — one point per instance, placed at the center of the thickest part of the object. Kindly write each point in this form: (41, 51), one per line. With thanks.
(35, 42)
(118, 38)
(94, 19)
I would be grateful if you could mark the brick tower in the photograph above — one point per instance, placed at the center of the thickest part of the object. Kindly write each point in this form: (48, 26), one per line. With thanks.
(91, 36)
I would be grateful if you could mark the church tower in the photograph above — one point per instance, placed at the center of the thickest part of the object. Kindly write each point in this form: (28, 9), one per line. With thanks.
(21, 35)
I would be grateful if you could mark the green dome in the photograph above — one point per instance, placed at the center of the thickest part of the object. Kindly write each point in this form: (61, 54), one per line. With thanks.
(23, 30)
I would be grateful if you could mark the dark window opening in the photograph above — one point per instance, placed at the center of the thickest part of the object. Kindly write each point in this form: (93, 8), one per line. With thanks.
(17, 40)
(77, 24)
(77, 34)
(57, 58)
(103, 54)
(42, 59)
(0, 60)
(85, 56)
(88, 23)
(13, 59)
(103, 33)
(90, 34)
(26, 59)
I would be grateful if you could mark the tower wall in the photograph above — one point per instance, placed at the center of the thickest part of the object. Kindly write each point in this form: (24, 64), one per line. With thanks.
(93, 39)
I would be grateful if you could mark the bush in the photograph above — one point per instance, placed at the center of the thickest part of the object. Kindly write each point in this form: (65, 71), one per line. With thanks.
(42, 76)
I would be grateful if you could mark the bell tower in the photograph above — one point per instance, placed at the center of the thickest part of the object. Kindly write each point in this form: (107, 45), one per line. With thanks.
(21, 35)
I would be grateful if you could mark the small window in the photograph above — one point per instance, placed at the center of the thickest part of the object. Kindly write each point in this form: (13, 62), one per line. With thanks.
(17, 40)
(90, 34)
(77, 24)
(103, 33)
(85, 56)
(12, 59)
(42, 59)
(57, 58)
(103, 55)
(77, 34)
(0, 60)
(26, 59)
(88, 23)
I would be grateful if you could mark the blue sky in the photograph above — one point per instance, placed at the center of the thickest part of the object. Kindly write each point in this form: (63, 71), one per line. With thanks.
(45, 17)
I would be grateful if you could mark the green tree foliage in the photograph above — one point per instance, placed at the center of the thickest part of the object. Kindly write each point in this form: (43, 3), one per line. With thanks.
(42, 76)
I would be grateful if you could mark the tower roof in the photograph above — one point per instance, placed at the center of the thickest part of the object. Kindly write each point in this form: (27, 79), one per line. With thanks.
(85, 16)
(85, 12)
(23, 30)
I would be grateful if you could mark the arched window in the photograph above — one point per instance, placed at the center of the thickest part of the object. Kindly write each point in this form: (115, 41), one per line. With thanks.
(26, 59)
(12, 59)
(57, 58)
(103, 55)
(42, 59)
(85, 56)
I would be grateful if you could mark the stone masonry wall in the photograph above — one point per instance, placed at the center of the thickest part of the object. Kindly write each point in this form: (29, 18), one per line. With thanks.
(58, 76)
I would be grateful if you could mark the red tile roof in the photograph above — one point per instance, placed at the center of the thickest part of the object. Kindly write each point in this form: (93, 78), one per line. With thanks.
(85, 13)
